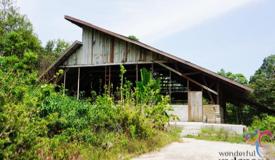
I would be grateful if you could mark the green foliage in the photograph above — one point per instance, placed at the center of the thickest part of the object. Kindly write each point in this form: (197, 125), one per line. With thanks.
(52, 50)
(17, 37)
(238, 77)
(134, 38)
(16, 32)
(56, 47)
(267, 68)
(263, 82)
(20, 125)
(122, 72)
(148, 89)
(39, 123)
(20, 130)
(238, 114)
(264, 123)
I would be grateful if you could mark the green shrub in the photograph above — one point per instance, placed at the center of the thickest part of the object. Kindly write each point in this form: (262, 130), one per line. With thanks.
(37, 122)
(19, 131)
(265, 123)
(262, 124)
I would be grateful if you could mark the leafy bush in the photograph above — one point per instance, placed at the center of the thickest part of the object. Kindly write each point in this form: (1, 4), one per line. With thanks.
(39, 123)
(266, 123)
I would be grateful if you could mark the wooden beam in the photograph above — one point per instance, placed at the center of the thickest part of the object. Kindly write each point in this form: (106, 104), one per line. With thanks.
(64, 82)
(222, 103)
(218, 96)
(209, 94)
(92, 45)
(184, 76)
(136, 72)
(112, 50)
(78, 83)
(237, 114)
(109, 77)
(105, 75)
(170, 82)
(106, 64)
(188, 85)
(125, 55)
(191, 73)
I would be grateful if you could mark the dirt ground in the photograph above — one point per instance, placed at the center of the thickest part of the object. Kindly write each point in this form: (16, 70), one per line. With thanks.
(204, 150)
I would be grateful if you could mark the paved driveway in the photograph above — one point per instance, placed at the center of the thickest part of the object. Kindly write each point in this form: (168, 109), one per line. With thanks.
(192, 149)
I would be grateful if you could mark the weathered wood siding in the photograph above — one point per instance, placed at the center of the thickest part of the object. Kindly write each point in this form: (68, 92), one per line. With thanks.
(99, 48)
(195, 106)
(75, 58)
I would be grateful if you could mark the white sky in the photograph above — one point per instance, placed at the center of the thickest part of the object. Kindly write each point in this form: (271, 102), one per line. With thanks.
(148, 20)
(210, 33)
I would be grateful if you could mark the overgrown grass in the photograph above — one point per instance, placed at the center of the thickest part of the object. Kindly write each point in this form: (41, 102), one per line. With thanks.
(118, 146)
(126, 148)
(213, 134)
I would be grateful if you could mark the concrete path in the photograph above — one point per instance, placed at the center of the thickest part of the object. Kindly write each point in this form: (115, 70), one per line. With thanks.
(192, 149)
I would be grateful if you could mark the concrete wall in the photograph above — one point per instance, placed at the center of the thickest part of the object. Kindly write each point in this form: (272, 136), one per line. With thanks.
(211, 113)
(181, 111)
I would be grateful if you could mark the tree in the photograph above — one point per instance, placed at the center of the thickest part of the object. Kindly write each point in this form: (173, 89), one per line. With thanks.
(132, 37)
(237, 114)
(238, 77)
(16, 31)
(56, 47)
(263, 82)
(51, 52)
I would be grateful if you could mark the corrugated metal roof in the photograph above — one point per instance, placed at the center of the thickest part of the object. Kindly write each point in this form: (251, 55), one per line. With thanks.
(82, 23)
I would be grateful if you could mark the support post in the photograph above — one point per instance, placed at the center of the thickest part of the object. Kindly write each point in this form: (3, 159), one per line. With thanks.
(64, 82)
(170, 83)
(222, 102)
(188, 85)
(218, 96)
(237, 114)
(78, 83)
(105, 75)
(136, 72)
(109, 78)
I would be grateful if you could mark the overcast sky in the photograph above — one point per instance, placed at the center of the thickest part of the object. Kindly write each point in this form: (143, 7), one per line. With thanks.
(232, 34)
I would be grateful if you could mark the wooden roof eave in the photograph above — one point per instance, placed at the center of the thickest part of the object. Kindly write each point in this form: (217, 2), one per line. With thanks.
(66, 54)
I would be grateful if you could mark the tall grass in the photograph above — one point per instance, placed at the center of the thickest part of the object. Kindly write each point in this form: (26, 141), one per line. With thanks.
(221, 134)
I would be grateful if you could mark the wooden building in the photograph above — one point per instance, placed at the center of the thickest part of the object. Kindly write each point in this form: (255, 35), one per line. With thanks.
(95, 61)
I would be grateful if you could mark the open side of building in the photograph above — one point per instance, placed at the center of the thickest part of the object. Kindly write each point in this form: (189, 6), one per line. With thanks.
(95, 62)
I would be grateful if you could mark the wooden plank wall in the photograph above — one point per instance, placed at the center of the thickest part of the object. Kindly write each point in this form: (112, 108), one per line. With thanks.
(99, 48)
(195, 106)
